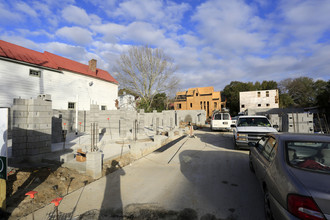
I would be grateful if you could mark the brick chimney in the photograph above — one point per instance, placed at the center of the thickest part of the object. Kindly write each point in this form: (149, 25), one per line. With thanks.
(92, 65)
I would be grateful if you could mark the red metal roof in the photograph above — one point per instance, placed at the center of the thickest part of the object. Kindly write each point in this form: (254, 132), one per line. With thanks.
(50, 60)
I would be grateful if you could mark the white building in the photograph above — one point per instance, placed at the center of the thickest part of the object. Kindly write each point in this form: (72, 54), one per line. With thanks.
(127, 102)
(27, 73)
(262, 99)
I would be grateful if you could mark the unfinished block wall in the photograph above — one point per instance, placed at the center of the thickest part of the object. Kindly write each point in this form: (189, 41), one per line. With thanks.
(31, 126)
(121, 123)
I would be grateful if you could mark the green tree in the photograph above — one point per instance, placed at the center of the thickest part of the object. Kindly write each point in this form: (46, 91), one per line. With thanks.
(323, 98)
(268, 85)
(302, 90)
(231, 92)
(159, 102)
(286, 101)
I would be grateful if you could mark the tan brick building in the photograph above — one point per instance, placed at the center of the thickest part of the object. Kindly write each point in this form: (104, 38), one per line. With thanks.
(202, 98)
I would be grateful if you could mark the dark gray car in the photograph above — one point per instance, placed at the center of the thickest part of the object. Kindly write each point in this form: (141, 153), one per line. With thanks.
(294, 172)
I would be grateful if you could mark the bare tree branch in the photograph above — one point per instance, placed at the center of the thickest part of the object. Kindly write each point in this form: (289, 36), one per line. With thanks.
(146, 71)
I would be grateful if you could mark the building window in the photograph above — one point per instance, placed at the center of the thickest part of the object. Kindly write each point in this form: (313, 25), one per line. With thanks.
(258, 94)
(179, 106)
(201, 105)
(267, 93)
(72, 105)
(36, 73)
(190, 105)
(215, 105)
(196, 93)
(243, 106)
(103, 107)
(259, 105)
(267, 104)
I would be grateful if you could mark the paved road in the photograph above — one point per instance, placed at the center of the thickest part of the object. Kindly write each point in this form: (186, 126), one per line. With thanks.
(195, 177)
(204, 174)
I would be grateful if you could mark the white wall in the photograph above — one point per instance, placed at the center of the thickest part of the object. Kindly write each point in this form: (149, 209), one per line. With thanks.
(127, 102)
(63, 87)
(250, 99)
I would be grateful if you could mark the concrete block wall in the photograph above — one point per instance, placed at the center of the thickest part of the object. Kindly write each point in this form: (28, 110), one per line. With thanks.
(300, 122)
(275, 119)
(197, 117)
(31, 126)
(122, 124)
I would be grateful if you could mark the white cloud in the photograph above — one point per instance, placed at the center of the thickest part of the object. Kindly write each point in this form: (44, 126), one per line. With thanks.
(163, 13)
(27, 33)
(230, 27)
(25, 8)
(76, 53)
(144, 33)
(305, 20)
(76, 15)
(77, 35)
(21, 41)
(111, 32)
(7, 15)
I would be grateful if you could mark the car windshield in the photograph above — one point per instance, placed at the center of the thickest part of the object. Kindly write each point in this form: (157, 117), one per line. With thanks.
(312, 156)
(253, 122)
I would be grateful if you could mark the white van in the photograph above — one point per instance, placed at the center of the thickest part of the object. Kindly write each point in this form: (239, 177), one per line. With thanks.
(221, 121)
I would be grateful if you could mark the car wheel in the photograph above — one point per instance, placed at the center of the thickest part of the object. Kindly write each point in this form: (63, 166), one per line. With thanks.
(268, 211)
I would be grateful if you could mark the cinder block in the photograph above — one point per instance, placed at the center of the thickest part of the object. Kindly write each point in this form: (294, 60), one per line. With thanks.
(94, 164)
(20, 114)
(20, 108)
(19, 101)
(20, 139)
(20, 120)
(66, 157)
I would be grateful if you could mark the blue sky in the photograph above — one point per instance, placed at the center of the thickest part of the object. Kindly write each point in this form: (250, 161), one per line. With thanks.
(212, 42)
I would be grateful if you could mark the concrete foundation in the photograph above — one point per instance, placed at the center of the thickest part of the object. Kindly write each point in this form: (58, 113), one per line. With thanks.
(94, 164)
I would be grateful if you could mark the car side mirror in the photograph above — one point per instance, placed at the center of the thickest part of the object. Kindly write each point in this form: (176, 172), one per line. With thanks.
(233, 125)
(275, 126)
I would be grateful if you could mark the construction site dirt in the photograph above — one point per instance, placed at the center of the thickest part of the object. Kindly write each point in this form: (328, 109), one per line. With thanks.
(49, 182)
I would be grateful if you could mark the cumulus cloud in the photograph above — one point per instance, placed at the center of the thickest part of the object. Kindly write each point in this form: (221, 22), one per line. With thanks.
(8, 16)
(164, 13)
(144, 33)
(76, 53)
(306, 21)
(213, 42)
(25, 8)
(230, 26)
(76, 15)
(111, 32)
(76, 35)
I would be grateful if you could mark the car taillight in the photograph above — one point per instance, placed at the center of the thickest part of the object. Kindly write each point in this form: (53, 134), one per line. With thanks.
(304, 207)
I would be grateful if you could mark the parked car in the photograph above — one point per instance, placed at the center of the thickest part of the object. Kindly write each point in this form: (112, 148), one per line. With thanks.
(294, 172)
(220, 121)
(250, 129)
